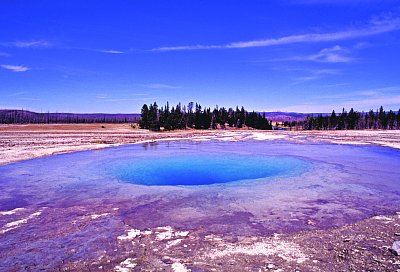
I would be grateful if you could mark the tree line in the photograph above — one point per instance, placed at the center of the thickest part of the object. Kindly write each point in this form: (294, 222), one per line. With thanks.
(349, 120)
(194, 116)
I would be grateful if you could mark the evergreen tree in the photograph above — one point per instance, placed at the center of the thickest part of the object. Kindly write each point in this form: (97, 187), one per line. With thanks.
(231, 117)
(198, 117)
(382, 118)
(333, 120)
(190, 116)
(352, 119)
(391, 120)
(371, 118)
(144, 120)
(154, 124)
(398, 119)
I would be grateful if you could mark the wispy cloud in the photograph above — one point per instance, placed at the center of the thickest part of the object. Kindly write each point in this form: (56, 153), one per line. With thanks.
(314, 75)
(15, 68)
(365, 100)
(332, 55)
(31, 99)
(335, 85)
(105, 51)
(12, 94)
(374, 27)
(374, 102)
(46, 44)
(106, 97)
(111, 51)
(27, 44)
(121, 96)
(364, 93)
(124, 99)
(127, 99)
(160, 86)
(392, 103)
(335, 54)
(101, 96)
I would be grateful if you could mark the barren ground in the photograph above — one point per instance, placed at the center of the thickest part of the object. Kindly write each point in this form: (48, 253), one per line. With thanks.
(363, 246)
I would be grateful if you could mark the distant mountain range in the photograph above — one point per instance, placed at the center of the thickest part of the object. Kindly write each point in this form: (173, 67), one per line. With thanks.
(23, 116)
(278, 116)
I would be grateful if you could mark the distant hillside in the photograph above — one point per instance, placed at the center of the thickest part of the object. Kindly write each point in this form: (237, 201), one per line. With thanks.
(25, 117)
(278, 116)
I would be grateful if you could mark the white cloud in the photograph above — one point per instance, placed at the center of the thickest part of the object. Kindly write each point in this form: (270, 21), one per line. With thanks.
(27, 44)
(332, 55)
(15, 68)
(111, 51)
(383, 90)
(335, 85)
(375, 27)
(101, 96)
(374, 102)
(45, 44)
(31, 99)
(364, 94)
(127, 99)
(314, 75)
(4, 54)
(12, 94)
(108, 98)
(335, 54)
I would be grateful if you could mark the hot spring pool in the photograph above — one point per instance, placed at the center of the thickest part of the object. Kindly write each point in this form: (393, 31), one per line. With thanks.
(187, 168)
(246, 187)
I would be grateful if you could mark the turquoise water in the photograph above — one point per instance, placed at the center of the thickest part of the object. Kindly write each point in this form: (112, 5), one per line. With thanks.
(203, 169)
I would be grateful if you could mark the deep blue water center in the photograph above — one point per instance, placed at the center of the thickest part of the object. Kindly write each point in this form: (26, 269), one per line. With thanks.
(203, 169)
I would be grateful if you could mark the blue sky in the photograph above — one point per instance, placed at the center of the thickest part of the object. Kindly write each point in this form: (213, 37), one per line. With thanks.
(113, 56)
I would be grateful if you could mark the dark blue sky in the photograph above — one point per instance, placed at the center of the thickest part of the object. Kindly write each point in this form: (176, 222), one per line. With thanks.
(113, 56)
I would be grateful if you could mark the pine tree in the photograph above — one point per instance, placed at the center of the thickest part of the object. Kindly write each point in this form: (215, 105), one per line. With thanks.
(333, 120)
(144, 120)
(398, 119)
(382, 118)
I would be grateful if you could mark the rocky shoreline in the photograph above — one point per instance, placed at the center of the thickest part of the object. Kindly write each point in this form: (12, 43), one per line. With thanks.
(362, 246)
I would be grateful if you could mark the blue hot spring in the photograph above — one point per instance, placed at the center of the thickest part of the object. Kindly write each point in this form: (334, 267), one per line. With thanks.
(187, 168)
